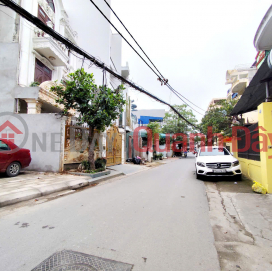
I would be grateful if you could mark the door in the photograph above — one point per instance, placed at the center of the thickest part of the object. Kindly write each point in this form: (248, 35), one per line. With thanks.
(114, 146)
(130, 147)
(42, 73)
(5, 157)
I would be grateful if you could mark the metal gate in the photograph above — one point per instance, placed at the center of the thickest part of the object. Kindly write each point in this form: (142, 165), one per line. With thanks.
(114, 146)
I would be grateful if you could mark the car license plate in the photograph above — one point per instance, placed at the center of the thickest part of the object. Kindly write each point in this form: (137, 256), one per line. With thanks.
(219, 170)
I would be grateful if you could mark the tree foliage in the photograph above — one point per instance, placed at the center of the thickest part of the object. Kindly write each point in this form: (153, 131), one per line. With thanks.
(155, 127)
(98, 106)
(174, 124)
(219, 118)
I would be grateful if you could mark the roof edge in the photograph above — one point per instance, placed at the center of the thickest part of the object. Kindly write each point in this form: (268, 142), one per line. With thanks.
(261, 27)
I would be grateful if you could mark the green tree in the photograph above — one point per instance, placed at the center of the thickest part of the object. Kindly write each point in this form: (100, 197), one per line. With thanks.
(98, 106)
(219, 118)
(155, 128)
(174, 124)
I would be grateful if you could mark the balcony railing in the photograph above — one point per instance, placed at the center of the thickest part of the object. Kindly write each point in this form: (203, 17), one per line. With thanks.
(53, 50)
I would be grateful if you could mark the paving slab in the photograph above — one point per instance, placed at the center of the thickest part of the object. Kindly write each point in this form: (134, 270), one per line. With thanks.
(242, 225)
(30, 185)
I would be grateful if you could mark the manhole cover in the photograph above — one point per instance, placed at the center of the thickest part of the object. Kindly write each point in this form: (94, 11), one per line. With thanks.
(68, 260)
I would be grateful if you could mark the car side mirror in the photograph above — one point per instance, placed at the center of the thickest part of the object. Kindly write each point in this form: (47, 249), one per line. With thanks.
(231, 153)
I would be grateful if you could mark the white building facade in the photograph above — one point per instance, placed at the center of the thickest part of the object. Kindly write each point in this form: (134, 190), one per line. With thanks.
(31, 61)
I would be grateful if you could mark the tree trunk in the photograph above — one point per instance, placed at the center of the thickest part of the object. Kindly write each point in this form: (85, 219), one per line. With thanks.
(91, 148)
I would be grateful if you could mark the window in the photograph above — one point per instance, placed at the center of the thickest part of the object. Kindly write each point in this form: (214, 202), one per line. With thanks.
(4, 146)
(234, 95)
(214, 152)
(42, 73)
(43, 17)
(155, 120)
(51, 4)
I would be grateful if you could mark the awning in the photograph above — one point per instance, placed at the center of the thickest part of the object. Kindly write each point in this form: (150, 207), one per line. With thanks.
(143, 133)
(255, 93)
(147, 119)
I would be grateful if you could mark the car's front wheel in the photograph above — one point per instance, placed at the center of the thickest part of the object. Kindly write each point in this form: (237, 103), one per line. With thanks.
(13, 169)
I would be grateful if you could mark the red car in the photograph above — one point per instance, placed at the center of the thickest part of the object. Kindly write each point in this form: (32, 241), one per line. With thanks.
(13, 158)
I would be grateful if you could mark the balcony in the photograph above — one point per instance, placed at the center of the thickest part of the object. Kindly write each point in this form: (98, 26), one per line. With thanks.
(240, 86)
(49, 48)
(40, 99)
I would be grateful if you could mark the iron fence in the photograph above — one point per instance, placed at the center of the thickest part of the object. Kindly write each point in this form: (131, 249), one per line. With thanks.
(249, 153)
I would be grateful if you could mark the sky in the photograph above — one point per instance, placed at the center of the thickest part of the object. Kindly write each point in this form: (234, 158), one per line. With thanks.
(192, 42)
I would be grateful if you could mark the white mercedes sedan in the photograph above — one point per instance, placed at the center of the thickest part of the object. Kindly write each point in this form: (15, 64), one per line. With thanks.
(217, 161)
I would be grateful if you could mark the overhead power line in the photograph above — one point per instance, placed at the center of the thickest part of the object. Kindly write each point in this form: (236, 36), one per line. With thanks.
(123, 37)
(187, 99)
(133, 38)
(165, 81)
(178, 95)
(37, 22)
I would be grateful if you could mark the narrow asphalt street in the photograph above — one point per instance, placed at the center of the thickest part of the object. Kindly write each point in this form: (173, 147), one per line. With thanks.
(156, 220)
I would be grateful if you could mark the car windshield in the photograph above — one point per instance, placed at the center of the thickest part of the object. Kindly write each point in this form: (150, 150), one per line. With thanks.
(214, 152)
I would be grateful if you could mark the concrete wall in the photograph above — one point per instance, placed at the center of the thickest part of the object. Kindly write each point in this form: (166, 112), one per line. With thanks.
(265, 122)
(45, 138)
(251, 169)
(8, 27)
(251, 117)
(116, 51)
(165, 153)
(9, 55)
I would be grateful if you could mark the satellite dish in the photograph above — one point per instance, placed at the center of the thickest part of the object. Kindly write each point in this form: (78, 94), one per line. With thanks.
(133, 106)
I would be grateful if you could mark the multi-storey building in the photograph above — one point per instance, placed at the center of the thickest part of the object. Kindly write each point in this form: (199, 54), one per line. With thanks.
(239, 78)
(215, 102)
(31, 62)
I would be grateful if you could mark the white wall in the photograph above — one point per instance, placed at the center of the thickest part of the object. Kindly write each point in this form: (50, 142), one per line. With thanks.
(94, 34)
(116, 51)
(9, 55)
(7, 24)
(150, 112)
(48, 128)
(116, 56)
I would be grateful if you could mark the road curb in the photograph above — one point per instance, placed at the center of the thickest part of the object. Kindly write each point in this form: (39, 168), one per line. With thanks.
(102, 179)
(36, 192)
(91, 175)
(49, 189)
(16, 197)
